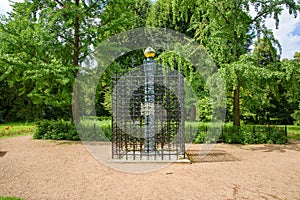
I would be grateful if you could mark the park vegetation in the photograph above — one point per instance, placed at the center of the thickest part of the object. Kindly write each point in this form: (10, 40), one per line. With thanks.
(43, 44)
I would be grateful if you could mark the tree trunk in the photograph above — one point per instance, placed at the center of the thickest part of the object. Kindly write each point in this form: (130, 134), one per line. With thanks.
(76, 64)
(236, 98)
(236, 106)
(76, 37)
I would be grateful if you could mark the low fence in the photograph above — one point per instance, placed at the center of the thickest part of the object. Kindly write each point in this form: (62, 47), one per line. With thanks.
(195, 132)
(236, 134)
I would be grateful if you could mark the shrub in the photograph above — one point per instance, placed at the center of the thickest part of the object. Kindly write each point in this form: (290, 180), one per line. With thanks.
(89, 130)
(94, 130)
(232, 135)
(56, 130)
(245, 135)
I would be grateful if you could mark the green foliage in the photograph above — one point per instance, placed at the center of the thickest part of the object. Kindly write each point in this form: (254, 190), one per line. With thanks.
(266, 92)
(119, 16)
(42, 44)
(200, 134)
(285, 98)
(56, 130)
(293, 132)
(223, 28)
(94, 130)
(204, 109)
(195, 132)
(34, 73)
(296, 116)
(265, 52)
(254, 135)
(226, 30)
(2, 116)
(172, 14)
(244, 135)
(196, 92)
(297, 56)
(90, 130)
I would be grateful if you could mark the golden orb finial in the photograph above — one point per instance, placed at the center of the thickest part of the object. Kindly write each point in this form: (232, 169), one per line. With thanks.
(149, 52)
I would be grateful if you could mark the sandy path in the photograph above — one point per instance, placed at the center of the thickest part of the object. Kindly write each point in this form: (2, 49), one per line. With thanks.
(34, 169)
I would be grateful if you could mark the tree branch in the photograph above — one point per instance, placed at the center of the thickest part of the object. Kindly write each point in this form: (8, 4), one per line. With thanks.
(91, 6)
(224, 17)
(266, 11)
(60, 3)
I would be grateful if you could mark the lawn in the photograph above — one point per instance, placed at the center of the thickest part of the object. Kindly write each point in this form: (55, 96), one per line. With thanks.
(21, 129)
(9, 198)
(293, 132)
(16, 129)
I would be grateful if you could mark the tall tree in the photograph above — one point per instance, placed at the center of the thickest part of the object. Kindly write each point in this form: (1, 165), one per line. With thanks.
(32, 70)
(227, 29)
(44, 42)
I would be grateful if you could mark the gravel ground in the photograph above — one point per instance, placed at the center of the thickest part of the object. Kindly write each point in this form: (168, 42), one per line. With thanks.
(34, 169)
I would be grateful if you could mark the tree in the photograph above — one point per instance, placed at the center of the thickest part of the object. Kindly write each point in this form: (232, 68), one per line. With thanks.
(224, 28)
(32, 71)
(297, 56)
(265, 52)
(44, 42)
(227, 29)
(296, 114)
(173, 14)
(289, 79)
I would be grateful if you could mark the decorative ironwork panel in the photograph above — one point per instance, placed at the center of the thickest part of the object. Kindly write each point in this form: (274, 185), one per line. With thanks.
(148, 113)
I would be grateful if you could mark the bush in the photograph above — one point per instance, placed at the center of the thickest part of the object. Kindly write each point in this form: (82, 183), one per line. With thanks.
(245, 135)
(88, 130)
(94, 130)
(104, 118)
(232, 135)
(56, 130)
(200, 134)
(296, 116)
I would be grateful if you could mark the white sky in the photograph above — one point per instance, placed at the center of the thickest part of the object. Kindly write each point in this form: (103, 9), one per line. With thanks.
(288, 33)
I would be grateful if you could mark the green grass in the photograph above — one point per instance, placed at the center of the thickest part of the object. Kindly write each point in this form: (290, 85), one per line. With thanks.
(16, 129)
(293, 132)
(20, 129)
(9, 198)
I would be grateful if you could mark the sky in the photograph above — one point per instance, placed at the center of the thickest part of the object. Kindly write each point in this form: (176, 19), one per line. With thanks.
(288, 33)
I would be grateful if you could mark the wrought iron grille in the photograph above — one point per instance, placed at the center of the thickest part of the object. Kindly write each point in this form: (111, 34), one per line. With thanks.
(148, 114)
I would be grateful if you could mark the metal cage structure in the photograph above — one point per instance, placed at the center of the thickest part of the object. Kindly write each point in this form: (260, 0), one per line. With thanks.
(148, 114)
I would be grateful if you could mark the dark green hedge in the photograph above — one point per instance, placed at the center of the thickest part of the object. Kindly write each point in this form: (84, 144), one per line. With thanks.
(56, 130)
(244, 135)
(101, 130)
(66, 130)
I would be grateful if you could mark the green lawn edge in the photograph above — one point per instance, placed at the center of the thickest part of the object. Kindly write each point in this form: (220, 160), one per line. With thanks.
(16, 129)
(10, 198)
